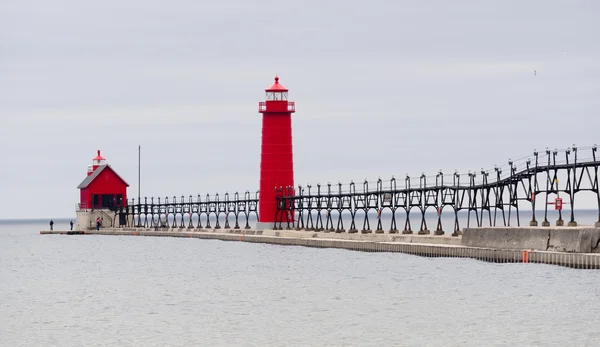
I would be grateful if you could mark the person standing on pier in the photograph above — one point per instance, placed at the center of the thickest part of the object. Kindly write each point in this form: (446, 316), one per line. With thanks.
(71, 225)
(51, 224)
(97, 223)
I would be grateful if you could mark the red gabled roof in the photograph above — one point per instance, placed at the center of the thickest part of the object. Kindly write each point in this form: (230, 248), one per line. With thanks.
(89, 179)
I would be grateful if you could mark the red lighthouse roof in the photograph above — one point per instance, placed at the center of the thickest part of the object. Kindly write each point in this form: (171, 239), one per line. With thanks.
(276, 87)
(99, 157)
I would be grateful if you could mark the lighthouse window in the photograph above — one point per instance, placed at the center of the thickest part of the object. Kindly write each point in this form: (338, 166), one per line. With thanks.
(276, 96)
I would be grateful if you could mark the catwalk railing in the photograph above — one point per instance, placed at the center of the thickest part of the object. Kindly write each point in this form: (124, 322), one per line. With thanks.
(498, 197)
(210, 212)
(500, 192)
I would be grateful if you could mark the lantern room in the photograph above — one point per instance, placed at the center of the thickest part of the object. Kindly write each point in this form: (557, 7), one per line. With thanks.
(276, 91)
(98, 161)
(103, 188)
(276, 99)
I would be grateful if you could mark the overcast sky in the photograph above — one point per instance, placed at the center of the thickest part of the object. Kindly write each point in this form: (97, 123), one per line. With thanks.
(381, 88)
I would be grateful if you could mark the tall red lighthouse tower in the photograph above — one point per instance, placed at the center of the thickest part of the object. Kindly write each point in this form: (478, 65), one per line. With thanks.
(276, 158)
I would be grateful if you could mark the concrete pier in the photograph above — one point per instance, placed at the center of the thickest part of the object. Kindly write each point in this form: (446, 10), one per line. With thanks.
(578, 239)
(421, 245)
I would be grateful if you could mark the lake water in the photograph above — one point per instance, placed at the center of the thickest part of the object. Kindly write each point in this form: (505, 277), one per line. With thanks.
(60, 290)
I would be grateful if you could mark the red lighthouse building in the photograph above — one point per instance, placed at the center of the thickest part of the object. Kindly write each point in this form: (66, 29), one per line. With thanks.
(103, 188)
(276, 158)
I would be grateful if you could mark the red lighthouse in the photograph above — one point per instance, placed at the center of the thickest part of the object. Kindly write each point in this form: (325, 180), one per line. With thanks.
(276, 158)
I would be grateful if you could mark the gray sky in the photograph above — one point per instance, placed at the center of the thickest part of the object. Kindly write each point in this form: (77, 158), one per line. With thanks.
(381, 88)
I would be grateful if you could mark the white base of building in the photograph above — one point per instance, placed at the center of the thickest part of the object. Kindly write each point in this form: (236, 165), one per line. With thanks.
(264, 226)
(86, 219)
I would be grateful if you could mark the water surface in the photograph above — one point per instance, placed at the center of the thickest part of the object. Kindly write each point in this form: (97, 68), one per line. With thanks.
(60, 290)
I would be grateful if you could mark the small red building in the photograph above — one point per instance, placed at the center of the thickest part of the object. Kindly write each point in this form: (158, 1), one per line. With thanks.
(103, 188)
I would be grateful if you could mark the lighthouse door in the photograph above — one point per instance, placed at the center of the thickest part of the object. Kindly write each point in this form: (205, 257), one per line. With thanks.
(107, 201)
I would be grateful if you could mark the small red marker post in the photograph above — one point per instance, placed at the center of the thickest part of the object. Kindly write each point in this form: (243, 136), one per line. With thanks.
(558, 206)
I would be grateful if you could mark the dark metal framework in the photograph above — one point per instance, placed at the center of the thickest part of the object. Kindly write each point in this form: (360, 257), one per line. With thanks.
(495, 194)
(493, 197)
(179, 213)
